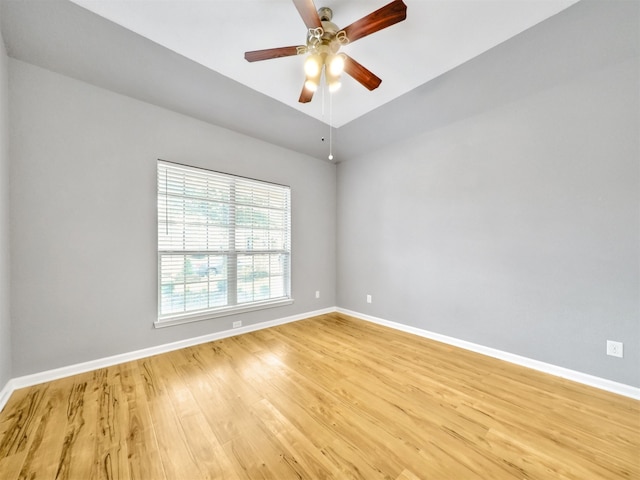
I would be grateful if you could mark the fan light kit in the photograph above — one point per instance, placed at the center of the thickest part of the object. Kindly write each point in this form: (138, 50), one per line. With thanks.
(324, 40)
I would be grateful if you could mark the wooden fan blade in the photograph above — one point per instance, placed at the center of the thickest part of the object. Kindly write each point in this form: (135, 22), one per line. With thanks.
(306, 95)
(361, 74)
(384, 17)
(308, 12)
(257, 55)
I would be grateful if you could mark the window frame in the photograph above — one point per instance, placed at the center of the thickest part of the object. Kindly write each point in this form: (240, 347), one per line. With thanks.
(231, 253)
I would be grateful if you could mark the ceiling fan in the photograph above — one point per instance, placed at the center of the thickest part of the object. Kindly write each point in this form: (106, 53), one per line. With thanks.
(324, 40)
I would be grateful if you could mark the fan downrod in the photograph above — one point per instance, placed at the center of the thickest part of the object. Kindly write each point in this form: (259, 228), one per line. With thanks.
(325, 14)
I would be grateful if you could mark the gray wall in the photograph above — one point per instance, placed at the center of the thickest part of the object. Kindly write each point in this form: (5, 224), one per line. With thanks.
(84, 220)
(5, 319)
(516, 228)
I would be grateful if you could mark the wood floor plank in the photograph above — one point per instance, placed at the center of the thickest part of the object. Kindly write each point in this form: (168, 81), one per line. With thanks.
(175, 454)
(23, 458)
(330, 397)
(25, 412)
(46, 443)
(111, 431)
(407, 475)
(294, 440)
(142, 446)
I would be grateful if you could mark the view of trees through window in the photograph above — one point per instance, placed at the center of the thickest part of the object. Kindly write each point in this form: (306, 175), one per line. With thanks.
(223, 241)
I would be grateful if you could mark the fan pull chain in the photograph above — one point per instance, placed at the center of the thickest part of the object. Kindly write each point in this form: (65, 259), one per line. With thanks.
(330, 126)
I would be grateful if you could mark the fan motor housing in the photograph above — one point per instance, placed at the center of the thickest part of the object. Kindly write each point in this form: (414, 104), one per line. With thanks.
(329, 30)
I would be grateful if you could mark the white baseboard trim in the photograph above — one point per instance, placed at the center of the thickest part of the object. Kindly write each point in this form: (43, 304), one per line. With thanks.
(6, 392)
(586, 379)
(49, 375)
(55, 374)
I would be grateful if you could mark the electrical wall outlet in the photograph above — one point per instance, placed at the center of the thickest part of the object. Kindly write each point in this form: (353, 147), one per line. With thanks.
(614, 349)
(317, 293)
(237, 324)
(368, 298)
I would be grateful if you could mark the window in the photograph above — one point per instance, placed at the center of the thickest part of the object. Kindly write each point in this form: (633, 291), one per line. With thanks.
(223, 244)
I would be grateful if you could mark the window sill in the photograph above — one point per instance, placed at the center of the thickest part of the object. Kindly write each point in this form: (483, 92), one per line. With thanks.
(219, 312)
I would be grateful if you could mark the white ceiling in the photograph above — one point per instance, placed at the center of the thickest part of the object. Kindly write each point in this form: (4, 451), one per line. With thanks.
(437, 36)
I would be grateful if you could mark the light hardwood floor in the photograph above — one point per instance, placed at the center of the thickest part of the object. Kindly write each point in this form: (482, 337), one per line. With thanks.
(327, 397)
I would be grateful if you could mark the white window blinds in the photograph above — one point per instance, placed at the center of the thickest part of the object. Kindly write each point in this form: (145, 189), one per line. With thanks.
(223, 243)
